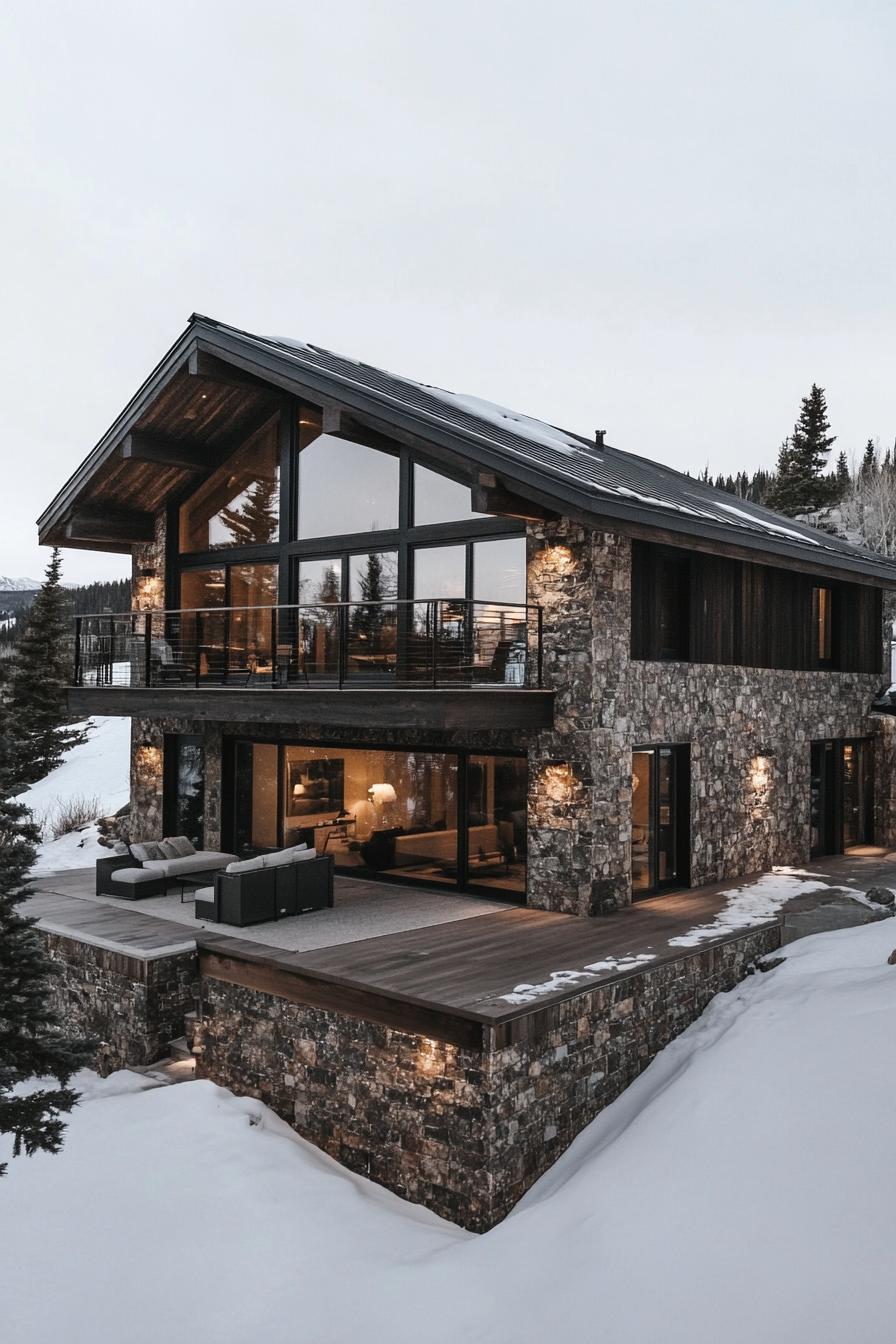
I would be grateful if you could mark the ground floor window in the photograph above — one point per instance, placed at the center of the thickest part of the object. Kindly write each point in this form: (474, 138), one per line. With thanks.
(185, 787)
(660, 819)
(453, 819)
(841, 795)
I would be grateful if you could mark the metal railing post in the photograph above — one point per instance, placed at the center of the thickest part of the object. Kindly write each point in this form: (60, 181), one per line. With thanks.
(434, 605)
(77, 667)
(147, 648)
(196, 645)
(539, 653)
(342, 626)
(273, 648)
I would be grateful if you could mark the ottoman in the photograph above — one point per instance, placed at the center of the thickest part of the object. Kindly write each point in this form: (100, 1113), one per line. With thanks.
(134, 884)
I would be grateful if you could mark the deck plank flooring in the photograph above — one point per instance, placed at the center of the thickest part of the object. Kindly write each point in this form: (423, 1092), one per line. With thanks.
(464, 968)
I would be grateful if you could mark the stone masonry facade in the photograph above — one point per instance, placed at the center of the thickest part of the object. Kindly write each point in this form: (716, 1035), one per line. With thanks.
(132, 1006)
(749, 731)
(465, 1132)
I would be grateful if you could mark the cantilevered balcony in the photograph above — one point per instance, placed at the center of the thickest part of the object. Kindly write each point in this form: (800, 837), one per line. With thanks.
(424, 663)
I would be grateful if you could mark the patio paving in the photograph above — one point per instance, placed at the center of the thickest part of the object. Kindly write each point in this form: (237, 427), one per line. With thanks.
(362, 910)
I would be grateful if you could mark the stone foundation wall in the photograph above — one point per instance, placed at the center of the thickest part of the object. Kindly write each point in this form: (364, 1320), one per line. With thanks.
(464, 1132)
(134, 1007)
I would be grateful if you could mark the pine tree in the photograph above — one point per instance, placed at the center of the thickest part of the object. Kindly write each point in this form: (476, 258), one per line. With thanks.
(869, 460)
(842, 475)
(802, 485)
(257, 520)
(39, 732)
(32, 1044)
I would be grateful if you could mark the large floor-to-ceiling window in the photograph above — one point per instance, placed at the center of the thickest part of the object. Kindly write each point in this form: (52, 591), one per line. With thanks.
(660, 819)
(453, 819)
(388, 571)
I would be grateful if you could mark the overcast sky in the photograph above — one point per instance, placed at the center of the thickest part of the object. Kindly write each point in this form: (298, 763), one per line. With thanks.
(661, 219)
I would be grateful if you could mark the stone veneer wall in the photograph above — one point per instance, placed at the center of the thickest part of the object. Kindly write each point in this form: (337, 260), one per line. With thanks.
(133, 1006)
(749, 731)
(463, 1131)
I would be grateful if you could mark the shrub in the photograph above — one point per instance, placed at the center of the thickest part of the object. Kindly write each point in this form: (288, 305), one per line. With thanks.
(71, 813)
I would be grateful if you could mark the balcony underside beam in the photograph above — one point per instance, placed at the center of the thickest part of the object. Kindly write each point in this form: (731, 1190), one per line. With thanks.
(110, 525)
(409, 707)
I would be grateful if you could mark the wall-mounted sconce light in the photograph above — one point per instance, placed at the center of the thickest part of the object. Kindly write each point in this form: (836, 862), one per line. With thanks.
(558, 781)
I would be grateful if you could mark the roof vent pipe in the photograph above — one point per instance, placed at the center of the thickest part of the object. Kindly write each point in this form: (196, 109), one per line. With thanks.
(599, 438)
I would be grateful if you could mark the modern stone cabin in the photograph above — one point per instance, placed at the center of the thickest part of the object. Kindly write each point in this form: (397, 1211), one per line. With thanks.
(465, 650)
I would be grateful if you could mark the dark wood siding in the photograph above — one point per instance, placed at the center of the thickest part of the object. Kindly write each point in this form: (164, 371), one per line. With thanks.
(756, 615)
(715, 609)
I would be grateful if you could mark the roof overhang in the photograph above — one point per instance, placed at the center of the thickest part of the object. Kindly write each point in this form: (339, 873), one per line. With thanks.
(166, 434)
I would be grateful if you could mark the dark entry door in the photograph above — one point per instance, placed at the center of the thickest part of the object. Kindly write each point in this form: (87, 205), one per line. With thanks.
(858, 818)
(660, 819)
(824, 803)
(842, 795)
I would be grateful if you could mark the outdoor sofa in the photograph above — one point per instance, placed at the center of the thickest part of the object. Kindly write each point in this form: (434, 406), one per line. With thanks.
(149, 867)
(271, 886)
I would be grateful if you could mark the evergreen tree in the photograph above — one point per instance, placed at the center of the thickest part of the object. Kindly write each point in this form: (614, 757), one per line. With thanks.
(802, 485)
(39, 732)
(842, 475)
(869, 460)
(257, 520)
(32, 1044)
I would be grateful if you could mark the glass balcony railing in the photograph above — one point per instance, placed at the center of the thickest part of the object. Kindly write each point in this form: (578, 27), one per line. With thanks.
(436, 642)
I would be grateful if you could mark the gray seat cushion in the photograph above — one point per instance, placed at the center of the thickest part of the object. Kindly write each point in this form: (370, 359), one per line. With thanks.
(246, 865)
(284, 856)
(203, 861)
(134, 876)
(147, 849)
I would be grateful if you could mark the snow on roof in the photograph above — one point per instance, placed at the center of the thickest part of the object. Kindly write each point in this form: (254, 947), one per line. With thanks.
(559, 455)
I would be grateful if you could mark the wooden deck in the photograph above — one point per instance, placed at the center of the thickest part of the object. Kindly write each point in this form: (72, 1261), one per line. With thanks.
(449, 981)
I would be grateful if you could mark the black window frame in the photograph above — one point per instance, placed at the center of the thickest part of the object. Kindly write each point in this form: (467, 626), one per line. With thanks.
(289, 550)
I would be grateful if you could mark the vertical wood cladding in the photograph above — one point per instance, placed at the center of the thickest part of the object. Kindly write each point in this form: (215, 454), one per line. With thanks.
(748, 615)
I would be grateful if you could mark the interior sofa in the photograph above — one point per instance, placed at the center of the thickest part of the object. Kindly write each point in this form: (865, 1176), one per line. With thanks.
(271, 886)
(146, 868)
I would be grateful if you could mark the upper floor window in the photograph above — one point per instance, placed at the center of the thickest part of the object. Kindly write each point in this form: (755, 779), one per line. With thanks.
(343, 487)
(239, 504)
(823, 626)
(439, 499)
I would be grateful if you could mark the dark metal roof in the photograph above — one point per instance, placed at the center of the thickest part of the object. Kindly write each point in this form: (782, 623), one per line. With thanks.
(562, 465)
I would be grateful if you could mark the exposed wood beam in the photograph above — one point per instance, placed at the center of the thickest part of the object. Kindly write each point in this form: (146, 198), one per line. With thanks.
(139, 446)
(200, 364)
(110, 525)
(498, 499)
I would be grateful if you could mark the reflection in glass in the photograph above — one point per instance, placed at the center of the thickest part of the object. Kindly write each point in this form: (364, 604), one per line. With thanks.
(253, 591)
(439, 499)
(189, 787)
(496, 821)
(642, 819)
(440, 571)
(239, 504)
(499, 570)
(372, 626)
(320, 589)
(197, 636)
(343, 487)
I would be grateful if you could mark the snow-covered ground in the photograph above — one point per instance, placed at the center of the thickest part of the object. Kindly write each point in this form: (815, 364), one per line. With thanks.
(742, 1189)
(97, 770)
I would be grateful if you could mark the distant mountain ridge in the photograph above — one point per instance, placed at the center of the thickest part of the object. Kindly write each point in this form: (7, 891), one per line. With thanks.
(8, 585)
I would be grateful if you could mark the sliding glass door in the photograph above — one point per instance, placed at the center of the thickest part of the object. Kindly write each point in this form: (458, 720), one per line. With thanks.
(438, 818)
(660, 819)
